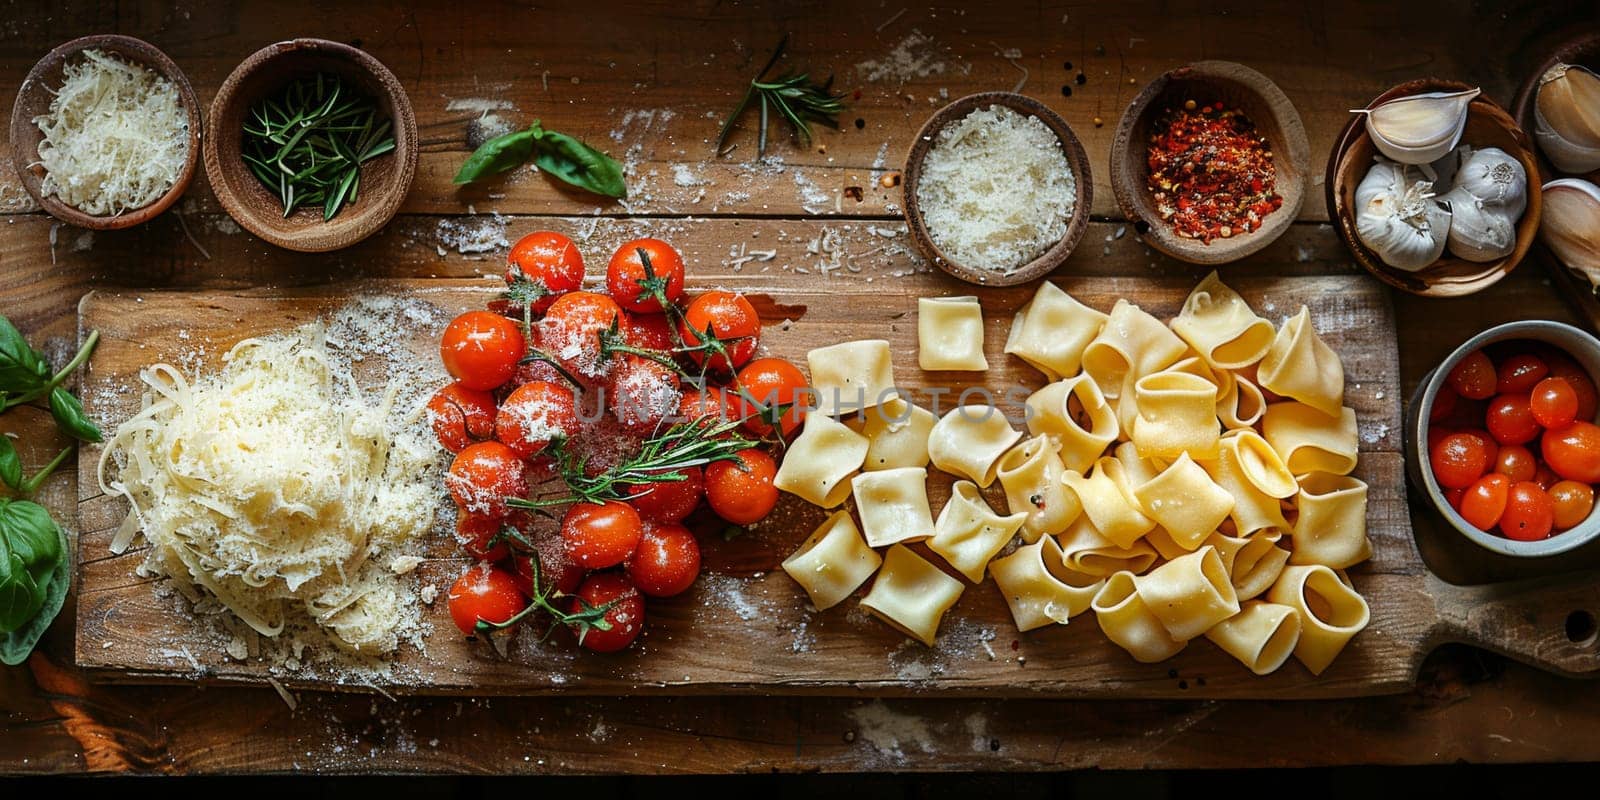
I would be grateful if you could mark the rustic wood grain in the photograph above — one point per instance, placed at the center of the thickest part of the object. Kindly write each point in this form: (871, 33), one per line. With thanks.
(1327, 58)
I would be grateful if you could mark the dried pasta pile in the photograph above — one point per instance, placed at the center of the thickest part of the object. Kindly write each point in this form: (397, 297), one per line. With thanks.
(1157, 485)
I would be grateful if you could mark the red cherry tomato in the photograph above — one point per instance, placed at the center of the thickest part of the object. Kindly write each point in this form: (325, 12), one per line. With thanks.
(1444, 403)
(1574, 452)
(1554, 403)
(1530, 514)
(772, 389)
(741, 491)
(484, 476)
(570, 332)
(1572, 501)
(626, 617)
(535, 415)
(667, 560)
(1520, 373)
(1485, 501)
(474, 532)
(1510, 419)
(557, 572)
(669, 501)
(714, 404)
(460, 416)
(1458, 460)
(481, 349)
(1454, 497)
(600, 535)
(1545, 476)
(1474, 377)
(1436, 433)
(547, 260)
(1516, 462)
(483, 593)
(642, 393)
(626, 276)
(1562, 366)
(649, 332)
(731, 320)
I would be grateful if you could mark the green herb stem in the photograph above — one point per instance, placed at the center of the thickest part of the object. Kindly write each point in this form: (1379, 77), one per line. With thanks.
(32, 485)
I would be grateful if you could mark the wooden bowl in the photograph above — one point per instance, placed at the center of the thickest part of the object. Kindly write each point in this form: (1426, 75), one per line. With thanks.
(1488, 125)
(384, 180)
(1205, 82)
(1058, 252)
(33, 99)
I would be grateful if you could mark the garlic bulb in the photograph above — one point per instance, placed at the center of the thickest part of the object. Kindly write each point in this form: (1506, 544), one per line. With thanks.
(1397, 218)
(1420, 128)
(1570, 225)
(1495, 178)
(1566, 115)
(1479, 231)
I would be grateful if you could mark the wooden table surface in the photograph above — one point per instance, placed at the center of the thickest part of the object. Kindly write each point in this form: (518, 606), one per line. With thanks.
(649, 81)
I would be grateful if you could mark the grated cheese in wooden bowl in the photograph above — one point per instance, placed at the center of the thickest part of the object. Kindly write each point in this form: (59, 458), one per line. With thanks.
(996, 189)
(116, 137)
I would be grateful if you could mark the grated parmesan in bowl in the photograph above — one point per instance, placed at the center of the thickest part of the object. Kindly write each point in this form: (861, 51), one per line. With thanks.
(996, 190)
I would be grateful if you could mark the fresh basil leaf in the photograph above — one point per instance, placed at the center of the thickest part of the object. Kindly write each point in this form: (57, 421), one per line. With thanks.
(70, 416)
(500, 154)
(22, 369)
(10, 464)
(30, 549)
(16, 645)
(21, 596)
(579, 164)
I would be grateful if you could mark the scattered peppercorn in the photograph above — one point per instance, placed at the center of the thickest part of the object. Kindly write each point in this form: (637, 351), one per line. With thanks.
(1081, 79)
(860, 123)
(854, 193)
(1066, 91)
(1066, 65)
(1211, 172)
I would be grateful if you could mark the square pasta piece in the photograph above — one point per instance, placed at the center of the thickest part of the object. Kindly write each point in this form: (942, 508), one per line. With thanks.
(950, 334)
(912, 595)
(851, 376)
(833, 562)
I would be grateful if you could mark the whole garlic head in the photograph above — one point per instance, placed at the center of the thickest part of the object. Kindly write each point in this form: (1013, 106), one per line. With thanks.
(1479, 231)
(1495, 178)
(1566, 115)
(1570, 225)
(1397, 217)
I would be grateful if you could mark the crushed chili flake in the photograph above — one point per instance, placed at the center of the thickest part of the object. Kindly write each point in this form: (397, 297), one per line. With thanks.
(1211, 172)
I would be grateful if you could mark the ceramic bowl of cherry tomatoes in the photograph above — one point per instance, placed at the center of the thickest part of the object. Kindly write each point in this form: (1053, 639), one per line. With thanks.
(1502, 438)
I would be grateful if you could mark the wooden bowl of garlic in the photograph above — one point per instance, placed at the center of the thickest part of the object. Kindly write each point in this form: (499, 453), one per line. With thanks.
(1433, 187)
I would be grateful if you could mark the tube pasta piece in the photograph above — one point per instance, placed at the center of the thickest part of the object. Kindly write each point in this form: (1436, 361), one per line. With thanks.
(897, 434)
(1253, 563)
(821, 460)
(1049, 414)
(1300, 366)
(950, 334)
(1262, 635)
(1221, 327)
(832, 562)
(1177, 414)
(1039, 588)
(1031, 474)
(893, 504)
(1240, 402)
(851, 376)
(1109, 503)
(1331, 612)
(1051, 331)
(911, 594)
(1185, 502)
(1249, 469)
(1332, 527)
(1310, 441)
(1131, 341)
(968, 441)
(1189, 594)
(1084, 550)
(968, 533)
(1130, 624)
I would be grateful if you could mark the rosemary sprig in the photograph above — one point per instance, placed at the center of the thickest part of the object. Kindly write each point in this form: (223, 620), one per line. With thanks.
(307, 143)
(794, 96)
(585, 619)
(664, 456)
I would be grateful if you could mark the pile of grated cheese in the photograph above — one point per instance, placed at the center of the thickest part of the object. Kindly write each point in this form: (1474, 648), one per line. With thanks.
(996, 189)
(273, 488)
(116, 137)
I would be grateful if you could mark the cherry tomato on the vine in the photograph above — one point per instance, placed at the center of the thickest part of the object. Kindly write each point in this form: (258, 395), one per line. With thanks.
(1574, 452)
(476, 532)
(626, 278)
(550, 261)
(600, 535)
(741, 491)
(733, 324)
(649, 332)
(1554, 403)
(642, 393)
(1458, 460)
(570, 332)
(460, 416)
(1474, 377)
(535, 415)
(626, 617)
(484, 476)
(774, 390)
(667, 560)
(480, 349)
(669, 500)
(1529, 515)
(485, 593)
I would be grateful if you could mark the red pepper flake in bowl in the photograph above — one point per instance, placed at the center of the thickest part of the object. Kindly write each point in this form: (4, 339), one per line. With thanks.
(1211, 172)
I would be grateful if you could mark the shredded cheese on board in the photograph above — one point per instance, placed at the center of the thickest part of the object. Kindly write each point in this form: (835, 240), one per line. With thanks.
(277, 491)
(996, 189)
(116, 137)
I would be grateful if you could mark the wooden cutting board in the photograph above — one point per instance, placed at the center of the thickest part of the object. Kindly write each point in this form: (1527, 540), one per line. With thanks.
(746, 627)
